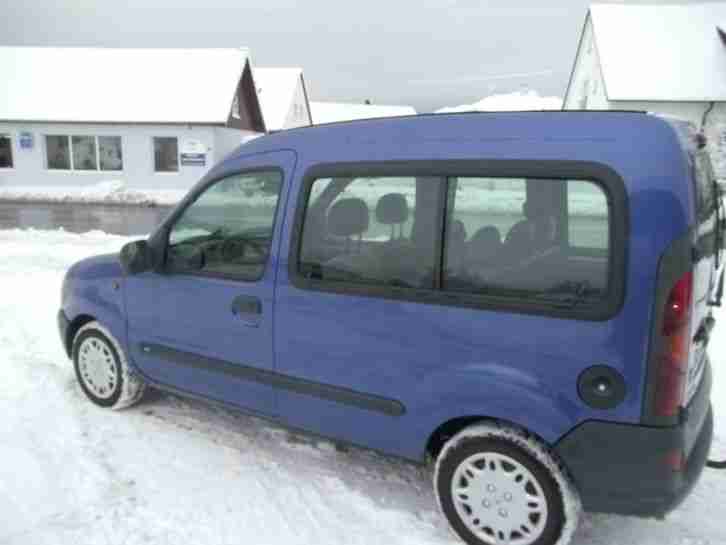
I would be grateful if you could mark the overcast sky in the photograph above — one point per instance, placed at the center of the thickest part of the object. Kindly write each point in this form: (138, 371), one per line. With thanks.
(428, 53)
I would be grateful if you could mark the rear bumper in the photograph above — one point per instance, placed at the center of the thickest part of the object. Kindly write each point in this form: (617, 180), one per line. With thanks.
(624, 469)
(63, 323)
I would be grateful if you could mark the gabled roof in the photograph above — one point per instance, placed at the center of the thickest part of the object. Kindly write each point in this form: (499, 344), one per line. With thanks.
(73, 84)
(331, 112)
(661, 52)
(276, 91)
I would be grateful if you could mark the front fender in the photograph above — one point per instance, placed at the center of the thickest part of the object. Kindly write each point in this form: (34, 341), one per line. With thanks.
(96, 292)
(492, 391)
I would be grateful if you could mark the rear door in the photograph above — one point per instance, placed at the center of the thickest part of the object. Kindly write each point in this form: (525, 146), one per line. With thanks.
(708, 265)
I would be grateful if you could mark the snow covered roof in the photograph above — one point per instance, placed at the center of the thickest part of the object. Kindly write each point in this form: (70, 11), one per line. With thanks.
(516, 101)
(276, 91)
(661, 52)
(330, 112)
(119, 85)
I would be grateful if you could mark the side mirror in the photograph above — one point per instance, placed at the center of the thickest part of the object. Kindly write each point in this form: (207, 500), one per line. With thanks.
(136, 257)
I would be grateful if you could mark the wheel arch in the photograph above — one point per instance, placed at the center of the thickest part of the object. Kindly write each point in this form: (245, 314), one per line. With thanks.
(77, 323)
(448, 429)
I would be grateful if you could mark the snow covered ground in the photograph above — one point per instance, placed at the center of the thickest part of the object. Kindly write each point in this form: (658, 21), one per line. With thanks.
(174, 471)
(109, 192)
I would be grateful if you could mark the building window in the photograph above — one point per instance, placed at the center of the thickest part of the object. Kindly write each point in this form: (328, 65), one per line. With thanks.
(166, 154)
(83, 153)
(110, 155)
(58, 152)
(6, 151)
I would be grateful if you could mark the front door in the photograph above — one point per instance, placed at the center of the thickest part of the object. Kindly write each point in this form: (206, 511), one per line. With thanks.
(203, 325)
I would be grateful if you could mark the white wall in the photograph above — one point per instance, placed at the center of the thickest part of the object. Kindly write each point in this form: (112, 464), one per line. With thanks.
(692, 111)
(137, 148)
(587, 88)
(298, 115)
(228, 140)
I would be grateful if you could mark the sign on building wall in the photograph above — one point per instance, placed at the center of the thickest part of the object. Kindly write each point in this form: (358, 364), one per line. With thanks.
(193, 153)
(25, 140)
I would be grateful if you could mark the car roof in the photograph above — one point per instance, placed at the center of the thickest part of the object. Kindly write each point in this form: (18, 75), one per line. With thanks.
(410, 126)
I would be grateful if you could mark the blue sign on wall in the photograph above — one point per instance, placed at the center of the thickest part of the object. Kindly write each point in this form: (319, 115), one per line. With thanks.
(26, 140)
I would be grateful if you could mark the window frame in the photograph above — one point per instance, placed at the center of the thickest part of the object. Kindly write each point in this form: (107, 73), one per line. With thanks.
(69, 138)
(153, 157)
(600, 174)
(9, 136)
(191, 199)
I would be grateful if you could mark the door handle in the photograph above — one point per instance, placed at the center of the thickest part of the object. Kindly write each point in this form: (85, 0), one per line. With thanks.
(246, 305)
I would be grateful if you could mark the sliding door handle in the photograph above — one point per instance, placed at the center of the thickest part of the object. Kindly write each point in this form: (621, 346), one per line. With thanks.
(246, 305)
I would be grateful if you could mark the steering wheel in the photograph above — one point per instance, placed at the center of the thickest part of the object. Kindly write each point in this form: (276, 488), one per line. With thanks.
(234, 248)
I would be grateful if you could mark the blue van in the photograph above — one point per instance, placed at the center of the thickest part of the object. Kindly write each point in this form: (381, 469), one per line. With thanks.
(522, 300)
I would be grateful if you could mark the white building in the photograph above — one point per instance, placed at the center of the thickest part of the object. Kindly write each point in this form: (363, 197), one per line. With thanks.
(669, 59)
(152, 118)
(331, 112)
(283, 97)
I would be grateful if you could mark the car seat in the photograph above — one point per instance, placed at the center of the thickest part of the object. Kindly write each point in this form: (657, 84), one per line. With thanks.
(349, 218)
(397, 255)
(531, 235)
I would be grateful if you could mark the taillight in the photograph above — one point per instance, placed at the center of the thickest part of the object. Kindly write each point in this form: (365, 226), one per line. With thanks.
(673, 361)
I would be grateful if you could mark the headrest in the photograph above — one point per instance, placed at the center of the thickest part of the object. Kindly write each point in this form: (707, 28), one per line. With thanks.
(485, 242)
(392, 208)
(348, 217)
(456, 232)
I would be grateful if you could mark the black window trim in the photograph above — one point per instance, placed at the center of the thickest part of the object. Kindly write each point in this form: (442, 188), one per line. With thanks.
(9, 137)
(192, 198)
(602, 175)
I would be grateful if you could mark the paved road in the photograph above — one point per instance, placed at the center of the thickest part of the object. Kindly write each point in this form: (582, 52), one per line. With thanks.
(79, 218)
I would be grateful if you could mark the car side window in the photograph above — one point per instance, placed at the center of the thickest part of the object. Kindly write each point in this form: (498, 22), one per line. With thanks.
(228, 229)
(517, 237)
(378, 231)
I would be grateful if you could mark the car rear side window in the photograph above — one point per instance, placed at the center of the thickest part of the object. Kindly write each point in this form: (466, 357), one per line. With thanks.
(540, 237)
(378, 231)
(527, 238)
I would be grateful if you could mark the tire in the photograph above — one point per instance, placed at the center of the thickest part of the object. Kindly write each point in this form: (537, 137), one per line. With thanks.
(102, 369)
(509, 488)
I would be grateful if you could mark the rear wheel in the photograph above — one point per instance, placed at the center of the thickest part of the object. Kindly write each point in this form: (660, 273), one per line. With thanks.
(499, 485)
(102, 369)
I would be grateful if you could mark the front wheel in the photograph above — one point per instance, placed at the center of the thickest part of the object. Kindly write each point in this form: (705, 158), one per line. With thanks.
(102, 369)
(498, 485)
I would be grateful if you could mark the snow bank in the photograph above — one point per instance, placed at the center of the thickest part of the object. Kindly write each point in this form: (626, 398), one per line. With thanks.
(517, 101)
(108, 192)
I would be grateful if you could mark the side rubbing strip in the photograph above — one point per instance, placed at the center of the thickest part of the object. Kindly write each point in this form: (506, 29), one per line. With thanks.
(368, 402)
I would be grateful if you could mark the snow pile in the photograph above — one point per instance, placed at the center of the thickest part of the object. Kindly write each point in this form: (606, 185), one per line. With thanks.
(108, 192)
(517, 101)
(332, 112)
(179, 471)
